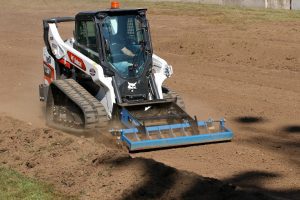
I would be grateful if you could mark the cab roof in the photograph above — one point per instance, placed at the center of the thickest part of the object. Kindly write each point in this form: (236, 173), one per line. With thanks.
(110, 12)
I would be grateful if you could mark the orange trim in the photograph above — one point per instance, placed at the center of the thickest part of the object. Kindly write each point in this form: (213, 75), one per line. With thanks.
(64, 62)
(51, 78)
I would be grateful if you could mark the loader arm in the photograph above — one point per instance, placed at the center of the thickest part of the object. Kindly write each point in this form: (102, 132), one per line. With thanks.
(64, 53)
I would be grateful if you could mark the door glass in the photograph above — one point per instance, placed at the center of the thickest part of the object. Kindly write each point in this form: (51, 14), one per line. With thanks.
(124, 44)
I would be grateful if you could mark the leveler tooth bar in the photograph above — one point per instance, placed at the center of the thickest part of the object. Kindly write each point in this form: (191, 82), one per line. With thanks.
(138, 136)
(224, 135)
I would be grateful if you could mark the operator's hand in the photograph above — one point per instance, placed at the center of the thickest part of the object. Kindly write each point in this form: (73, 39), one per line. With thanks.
(127, 52)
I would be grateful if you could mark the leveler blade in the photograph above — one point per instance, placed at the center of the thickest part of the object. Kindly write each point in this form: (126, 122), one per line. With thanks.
(165, 124)
(173, 135)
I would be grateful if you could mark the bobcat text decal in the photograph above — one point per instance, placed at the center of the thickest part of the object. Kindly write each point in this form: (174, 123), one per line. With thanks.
(76, 60)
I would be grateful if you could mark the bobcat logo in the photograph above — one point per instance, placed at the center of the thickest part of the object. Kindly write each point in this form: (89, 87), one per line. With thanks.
(132, 86)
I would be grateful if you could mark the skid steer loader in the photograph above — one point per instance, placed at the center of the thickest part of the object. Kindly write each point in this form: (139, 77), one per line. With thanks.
(108, 72)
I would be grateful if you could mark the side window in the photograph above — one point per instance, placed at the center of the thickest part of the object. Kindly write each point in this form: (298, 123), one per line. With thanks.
(90, 26)
(86, 34)
(81, 33)
(91, 35)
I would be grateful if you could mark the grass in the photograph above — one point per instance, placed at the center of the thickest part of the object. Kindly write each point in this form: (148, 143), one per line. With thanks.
(212, 13)
(217, 13)
(16, 186)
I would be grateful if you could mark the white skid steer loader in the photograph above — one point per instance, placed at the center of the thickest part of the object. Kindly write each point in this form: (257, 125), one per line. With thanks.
(108, 72)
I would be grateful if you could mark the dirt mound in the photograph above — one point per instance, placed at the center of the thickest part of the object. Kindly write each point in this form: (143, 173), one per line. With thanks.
(79, 166)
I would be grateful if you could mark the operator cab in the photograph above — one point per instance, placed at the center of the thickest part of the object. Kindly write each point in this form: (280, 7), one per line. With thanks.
(118, 40)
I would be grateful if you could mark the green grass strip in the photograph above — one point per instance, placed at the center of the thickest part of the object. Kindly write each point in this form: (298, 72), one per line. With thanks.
(16, 186)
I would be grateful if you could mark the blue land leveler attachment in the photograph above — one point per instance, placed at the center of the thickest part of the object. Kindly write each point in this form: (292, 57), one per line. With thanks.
(163, 124)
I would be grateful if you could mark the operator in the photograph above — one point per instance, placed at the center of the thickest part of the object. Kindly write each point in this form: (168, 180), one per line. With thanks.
(117, 39)
(120, 50)
(127, 52)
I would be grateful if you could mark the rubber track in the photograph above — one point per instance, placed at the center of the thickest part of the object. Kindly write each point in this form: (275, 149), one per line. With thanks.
(94, 113)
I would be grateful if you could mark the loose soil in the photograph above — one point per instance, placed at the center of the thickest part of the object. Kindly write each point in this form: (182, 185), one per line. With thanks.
(246, 71)
(83, 168)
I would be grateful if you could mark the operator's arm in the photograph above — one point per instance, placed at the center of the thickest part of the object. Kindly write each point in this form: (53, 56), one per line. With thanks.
(127, 52)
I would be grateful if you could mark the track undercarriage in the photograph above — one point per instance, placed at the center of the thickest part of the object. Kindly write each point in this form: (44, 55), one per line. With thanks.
(71, 107)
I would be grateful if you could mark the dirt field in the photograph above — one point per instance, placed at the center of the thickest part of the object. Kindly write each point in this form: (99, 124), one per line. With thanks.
(241, 65)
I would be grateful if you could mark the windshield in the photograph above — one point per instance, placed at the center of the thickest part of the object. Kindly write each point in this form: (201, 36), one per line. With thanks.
(124, 44)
